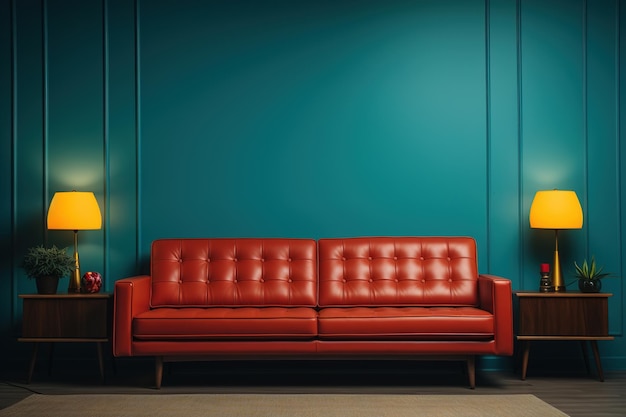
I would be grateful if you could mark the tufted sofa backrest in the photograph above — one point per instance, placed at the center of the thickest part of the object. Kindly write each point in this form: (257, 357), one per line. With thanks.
(234, 272)
(402, 271)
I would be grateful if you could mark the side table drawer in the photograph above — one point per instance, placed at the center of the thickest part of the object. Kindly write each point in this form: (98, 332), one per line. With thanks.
(563, 316)
(66, 317)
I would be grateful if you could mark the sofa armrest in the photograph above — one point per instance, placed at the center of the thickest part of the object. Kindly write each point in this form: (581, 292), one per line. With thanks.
(497, 298)
(131, 297)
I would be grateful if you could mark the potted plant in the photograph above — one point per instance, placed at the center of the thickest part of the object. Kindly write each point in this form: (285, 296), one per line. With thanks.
(46, 266)
(590, 276)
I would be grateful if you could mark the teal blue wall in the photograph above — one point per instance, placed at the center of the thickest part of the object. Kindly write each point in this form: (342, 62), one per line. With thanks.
(313, 119)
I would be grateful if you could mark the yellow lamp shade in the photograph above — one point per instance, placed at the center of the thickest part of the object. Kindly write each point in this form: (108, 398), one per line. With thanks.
(73, 210)
(556, 209)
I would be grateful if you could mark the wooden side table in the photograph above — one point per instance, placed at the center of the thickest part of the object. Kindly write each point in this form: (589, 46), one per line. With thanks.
(76, 318)
(563, 316)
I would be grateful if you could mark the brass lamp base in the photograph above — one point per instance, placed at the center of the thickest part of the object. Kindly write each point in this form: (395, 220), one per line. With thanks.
(74, 285)
(557, 279)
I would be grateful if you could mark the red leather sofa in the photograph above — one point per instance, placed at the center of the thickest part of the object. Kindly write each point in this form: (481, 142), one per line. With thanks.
(354, 298)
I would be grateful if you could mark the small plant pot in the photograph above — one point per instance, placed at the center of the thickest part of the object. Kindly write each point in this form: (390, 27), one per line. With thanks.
(47, 285)
(589, 285)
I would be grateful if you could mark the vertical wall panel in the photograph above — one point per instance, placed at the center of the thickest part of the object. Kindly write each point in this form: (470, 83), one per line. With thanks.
(121, 164)
(603, 222)
(503, 119)
(29, 134)
(75, 112)
(553, 134)
(7, 289)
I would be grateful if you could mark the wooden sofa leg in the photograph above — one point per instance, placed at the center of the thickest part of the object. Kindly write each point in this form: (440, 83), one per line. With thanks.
(471, 371)
(159, 371)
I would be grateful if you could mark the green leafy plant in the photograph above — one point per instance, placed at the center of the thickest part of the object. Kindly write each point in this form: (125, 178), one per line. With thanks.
(590, 271)
(40, 261)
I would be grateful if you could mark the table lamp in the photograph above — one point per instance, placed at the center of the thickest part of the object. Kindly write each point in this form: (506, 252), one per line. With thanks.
(556, 209)
(73, 210)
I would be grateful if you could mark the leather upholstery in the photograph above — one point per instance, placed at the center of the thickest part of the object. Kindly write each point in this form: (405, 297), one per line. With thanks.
(131, 297)
(385, 271)
(405, 323)
(233, 272)
(220, 323)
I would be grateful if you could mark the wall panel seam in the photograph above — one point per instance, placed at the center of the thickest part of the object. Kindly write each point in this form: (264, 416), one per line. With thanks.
(618, 149)
(138, 238)
(105, 125)
(13, 254)
(520, 140)
(585, 120)
(488, 168)
(45, 108)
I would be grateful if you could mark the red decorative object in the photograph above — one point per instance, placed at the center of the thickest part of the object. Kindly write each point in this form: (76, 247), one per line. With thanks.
(545, 267)
(91, 282)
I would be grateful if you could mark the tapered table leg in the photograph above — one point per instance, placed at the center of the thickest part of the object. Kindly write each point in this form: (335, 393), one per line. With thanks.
(596, 354)
(100, 361)
(525, 354)
(50, 357)
(33, 360)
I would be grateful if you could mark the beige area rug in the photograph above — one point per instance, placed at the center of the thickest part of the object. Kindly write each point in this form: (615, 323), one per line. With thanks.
(281, 405)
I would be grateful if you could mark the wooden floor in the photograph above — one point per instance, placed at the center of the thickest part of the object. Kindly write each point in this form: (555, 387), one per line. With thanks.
(578, 395)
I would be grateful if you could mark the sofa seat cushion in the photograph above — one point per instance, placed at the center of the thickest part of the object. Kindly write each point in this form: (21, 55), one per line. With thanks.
(406, 323)
(244, 323)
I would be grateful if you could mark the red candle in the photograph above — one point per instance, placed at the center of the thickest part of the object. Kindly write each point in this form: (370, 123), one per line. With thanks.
(545, 267)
